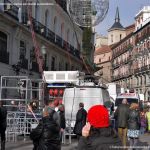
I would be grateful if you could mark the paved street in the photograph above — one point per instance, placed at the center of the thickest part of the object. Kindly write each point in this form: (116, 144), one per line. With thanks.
(27, 145)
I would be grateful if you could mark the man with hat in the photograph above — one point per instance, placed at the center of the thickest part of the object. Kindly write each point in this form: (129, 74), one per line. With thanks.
(96, 134)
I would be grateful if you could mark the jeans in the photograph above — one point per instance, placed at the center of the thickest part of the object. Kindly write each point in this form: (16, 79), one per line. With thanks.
(122, 132)
(142, 130)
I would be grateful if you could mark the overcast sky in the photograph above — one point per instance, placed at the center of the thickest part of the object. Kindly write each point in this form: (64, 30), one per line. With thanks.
(127, 9)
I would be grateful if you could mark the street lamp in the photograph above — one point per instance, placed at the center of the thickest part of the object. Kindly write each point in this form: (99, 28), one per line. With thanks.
(43, 51)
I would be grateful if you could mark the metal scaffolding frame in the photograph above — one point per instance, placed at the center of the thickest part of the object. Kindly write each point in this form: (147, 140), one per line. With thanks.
(17, 93)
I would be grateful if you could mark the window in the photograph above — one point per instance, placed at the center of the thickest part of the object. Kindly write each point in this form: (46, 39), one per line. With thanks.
(53, 63)
(68, 35)
(112, 38)
(60, 66)
(66, 66)
(55, 24)
(3, 41)
(99, 60)
(120, 36)
(37, 11)
(47, 19)
(32, 55)
(62, 30)
(22, 50)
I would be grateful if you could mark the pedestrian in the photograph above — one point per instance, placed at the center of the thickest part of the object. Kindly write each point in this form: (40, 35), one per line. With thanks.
(143, 123)
(148, 120)
(80, 120)
(133, 125)
(121, 115)
(62, 120)
(56, 104)
(97, 134)
(46, 136)
(3, 124)
(51, 109)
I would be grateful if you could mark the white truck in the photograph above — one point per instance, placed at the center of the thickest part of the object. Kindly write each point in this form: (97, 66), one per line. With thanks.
(80, 90)
(89, 95)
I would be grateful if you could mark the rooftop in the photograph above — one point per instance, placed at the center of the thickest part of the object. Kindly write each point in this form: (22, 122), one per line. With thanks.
(117, 24)
(102, 50)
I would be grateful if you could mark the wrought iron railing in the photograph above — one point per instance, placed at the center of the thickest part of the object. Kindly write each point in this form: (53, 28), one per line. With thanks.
(11, 9)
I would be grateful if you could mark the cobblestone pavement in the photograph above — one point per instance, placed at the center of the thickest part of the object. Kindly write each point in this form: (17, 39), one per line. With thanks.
(144, 142)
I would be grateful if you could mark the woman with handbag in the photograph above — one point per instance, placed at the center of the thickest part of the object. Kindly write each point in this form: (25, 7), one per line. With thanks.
(46, 136)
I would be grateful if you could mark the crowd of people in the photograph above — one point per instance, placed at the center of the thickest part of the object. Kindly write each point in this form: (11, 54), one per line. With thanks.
(93, 127)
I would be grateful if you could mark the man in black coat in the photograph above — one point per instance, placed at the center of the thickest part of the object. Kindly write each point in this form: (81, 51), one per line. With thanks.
(3, 124)
(80, 120)
(122, 115)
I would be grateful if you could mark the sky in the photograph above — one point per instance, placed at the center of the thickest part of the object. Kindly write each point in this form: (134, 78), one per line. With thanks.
(127, 10)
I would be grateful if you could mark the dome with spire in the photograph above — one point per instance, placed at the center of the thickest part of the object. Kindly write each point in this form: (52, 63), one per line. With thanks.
(117, 24)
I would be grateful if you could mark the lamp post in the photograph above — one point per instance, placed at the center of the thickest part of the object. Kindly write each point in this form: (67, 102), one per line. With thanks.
(43, 51)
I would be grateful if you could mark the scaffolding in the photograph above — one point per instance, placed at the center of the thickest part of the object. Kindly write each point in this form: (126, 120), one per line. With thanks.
(88, 13)
(24, 100)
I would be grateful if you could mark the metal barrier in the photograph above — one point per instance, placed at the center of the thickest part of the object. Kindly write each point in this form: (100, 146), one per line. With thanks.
(18, 125)
(69, 130)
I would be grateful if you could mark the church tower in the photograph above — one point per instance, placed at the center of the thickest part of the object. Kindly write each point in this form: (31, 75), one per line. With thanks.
(117, 31)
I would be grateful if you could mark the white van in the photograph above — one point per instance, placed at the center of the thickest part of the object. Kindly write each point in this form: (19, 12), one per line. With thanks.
(131, 98)
(89, 95)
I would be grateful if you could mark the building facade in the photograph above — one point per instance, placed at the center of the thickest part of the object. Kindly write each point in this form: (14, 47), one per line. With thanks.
(131, 57)
(102, 58)
(58, 39)
(141, 55)
(121, 61)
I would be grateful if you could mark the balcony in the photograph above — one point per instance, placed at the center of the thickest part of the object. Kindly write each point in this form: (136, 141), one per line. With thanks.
(35, 67)
(115, 65)
(58, 41)
(41, 29)
(123, 50)
(142, 69)
(4, 57)
(50, 35)
(11, 9)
